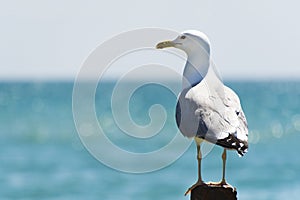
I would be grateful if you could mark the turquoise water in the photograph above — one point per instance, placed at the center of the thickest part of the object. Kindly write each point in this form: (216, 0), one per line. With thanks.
(42, 157)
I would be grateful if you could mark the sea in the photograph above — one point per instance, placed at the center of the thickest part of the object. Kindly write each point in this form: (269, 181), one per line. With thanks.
(43, 157)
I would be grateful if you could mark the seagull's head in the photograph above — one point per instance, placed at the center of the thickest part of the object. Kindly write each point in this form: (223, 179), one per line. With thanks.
(188, 41)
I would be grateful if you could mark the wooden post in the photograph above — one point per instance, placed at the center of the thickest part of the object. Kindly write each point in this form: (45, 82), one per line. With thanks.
(213, 192)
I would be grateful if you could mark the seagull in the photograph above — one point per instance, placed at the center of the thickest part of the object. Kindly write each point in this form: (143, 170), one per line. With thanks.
(207, 110)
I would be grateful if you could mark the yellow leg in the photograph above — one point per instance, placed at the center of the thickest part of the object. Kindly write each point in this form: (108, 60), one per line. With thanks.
(199, 158)
(223, 181)
(224, 156)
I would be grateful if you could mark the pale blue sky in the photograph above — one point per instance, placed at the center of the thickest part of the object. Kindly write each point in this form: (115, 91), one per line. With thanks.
(50, 39)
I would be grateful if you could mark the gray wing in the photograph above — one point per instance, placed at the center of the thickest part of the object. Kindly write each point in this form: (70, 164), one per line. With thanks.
(216, 117)
(225, 121)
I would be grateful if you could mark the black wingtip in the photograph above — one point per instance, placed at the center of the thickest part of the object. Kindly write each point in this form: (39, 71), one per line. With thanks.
(231, 142)
(243, 148)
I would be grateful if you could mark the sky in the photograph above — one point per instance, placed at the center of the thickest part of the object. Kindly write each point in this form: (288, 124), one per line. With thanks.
(50, 39)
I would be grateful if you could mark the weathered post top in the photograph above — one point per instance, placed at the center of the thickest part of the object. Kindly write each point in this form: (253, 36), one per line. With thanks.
(213, 192)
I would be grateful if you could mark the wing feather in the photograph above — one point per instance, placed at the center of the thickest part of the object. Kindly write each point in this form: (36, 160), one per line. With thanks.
(215, 117)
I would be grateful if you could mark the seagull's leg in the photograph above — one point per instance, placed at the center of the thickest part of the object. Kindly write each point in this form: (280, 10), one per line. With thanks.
(199, 158)
(223, 181)
(224, 156)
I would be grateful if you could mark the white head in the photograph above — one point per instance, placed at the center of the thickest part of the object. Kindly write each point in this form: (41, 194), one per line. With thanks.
(189, 41)
(197, 47)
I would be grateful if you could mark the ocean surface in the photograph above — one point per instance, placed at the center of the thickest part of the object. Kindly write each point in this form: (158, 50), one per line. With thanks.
(42, 157)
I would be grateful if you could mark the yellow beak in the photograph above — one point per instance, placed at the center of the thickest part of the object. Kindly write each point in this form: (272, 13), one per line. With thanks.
(165, 44)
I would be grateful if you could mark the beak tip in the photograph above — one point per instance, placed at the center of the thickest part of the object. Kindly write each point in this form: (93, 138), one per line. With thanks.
(158, 46)
(164, 44)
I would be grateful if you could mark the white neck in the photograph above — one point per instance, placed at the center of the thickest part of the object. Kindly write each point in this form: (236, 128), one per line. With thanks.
(196, 68)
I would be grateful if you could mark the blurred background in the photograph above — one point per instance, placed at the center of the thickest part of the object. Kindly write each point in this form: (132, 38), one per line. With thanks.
(255, 46)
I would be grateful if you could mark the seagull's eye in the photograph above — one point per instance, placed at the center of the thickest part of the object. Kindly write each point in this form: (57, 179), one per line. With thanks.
(182, 37)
